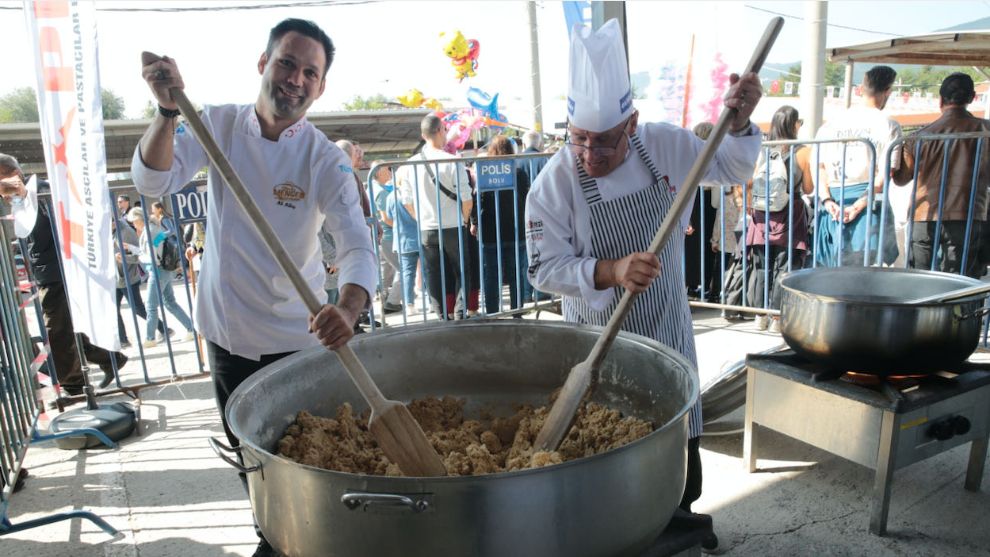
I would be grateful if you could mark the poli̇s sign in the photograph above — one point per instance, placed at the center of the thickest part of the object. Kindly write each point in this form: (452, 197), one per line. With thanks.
(190, 205)
(496, 175)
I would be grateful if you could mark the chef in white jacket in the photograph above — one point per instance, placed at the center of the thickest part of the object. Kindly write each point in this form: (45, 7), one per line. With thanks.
(597, 204)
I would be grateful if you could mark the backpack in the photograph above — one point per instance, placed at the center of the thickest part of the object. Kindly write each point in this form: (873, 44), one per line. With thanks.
(169, 258)
(777, 176)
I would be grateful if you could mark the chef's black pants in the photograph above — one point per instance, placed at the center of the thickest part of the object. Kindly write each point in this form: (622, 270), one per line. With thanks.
(692, 488)
(229, 371)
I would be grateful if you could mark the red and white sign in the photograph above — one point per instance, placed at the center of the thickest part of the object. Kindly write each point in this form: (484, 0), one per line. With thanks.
(65, 52)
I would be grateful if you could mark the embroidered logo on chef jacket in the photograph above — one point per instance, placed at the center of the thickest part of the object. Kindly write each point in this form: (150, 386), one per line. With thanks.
(534, 261)
(665, 183)
(180, 130)
(288, 194)
(345, 169)
(534, 230)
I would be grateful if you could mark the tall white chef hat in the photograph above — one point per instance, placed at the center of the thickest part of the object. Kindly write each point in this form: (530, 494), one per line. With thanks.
(598, 94)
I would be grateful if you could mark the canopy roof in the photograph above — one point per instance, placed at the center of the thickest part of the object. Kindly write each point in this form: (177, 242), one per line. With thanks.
(381, 133)
(969, 48)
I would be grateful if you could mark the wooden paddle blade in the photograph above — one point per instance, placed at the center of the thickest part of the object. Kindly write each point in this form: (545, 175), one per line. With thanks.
(562, 412)
(403, 441)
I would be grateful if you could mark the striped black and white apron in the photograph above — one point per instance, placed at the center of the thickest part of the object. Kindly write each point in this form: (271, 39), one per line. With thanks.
(625, 225)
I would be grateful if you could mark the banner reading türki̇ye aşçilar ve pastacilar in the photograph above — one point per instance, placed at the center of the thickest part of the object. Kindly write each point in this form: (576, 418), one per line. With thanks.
(65, 50)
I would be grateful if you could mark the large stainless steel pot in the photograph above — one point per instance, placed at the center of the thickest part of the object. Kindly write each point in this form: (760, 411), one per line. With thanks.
(855, 318)
(613, 503)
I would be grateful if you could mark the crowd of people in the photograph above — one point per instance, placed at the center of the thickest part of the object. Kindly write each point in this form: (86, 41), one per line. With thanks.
(823, 203)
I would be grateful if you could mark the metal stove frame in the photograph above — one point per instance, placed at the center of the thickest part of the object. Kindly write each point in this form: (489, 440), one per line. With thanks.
(861, 424)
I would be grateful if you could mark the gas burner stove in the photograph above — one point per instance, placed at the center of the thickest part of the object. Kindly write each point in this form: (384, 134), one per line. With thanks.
(887, 422)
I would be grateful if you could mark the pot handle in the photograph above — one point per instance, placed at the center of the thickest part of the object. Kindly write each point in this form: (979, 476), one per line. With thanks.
(357, 500)
(219, 447)
(978, 313)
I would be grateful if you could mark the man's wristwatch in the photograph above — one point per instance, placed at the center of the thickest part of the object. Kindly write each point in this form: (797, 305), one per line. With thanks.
(168, 112)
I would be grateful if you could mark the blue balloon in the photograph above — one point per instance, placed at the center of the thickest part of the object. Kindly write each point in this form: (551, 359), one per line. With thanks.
(484, 102)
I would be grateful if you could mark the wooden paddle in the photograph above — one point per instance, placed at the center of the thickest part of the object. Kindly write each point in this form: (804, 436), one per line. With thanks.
(394, 428)
(578, 381)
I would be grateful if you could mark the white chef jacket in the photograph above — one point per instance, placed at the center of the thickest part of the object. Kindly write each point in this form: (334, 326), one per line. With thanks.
(558, 221)
(301, 182)
(453, 176)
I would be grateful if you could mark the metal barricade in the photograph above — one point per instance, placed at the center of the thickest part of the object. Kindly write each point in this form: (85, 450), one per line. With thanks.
(743, 259)
(480, 260)
(877, 227)
(19, 409)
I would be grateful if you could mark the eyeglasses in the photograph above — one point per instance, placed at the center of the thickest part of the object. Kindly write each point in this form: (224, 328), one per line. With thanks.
(602, 149)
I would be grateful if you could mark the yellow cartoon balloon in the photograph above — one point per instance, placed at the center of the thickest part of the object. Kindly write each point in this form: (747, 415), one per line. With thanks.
(412, 99)
(463, 54)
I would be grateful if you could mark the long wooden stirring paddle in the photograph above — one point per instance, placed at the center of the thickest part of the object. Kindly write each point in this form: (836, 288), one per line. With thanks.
(579, 379)
(394, 428)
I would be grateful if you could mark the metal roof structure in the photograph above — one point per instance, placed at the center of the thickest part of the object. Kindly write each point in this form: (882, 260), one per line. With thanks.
(963, 48)
(968, 48)
(381, 133)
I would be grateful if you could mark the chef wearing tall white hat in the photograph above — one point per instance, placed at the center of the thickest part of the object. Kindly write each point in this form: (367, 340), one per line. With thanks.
(597, 204)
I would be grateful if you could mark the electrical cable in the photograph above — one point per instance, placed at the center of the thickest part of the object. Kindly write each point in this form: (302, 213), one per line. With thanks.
(227, 8)
(836, 25)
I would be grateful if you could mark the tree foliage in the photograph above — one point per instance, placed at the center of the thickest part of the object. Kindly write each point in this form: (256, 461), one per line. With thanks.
(925, 79)
(21, 106)
(375, 102)
(835, 74)
(928, 79)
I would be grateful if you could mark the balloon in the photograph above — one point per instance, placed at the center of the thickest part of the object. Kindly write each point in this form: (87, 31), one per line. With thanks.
(462, 123)
(412, 99)
(463, 54)
(433, 104)
(484, 102)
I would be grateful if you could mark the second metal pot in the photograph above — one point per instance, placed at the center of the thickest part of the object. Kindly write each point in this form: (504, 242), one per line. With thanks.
(855, 319)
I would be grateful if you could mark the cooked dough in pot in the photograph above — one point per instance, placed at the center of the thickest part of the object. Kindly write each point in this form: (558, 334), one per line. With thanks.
(468, 447)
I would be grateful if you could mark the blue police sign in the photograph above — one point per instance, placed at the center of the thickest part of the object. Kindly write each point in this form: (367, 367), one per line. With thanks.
(496, 175)
(190, 205)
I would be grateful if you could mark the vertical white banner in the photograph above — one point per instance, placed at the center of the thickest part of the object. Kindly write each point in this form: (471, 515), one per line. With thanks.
(64, 43)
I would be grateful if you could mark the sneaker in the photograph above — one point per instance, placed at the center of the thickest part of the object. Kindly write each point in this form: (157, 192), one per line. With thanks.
(125, 344)
(761, 322)
(391, 308)
(733, 316)
(151, 343)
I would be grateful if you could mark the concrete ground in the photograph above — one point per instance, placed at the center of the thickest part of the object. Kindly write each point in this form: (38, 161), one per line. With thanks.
(168, 494)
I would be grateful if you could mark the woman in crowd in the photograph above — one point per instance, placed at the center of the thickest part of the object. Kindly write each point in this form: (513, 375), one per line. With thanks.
(778, 226)
(152, 235)
(727, 247)
(502, 230)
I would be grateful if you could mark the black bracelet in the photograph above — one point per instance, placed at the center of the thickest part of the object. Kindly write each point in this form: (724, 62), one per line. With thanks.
(168, 113)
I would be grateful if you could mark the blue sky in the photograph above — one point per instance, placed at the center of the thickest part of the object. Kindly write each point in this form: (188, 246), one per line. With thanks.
(389, 47)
